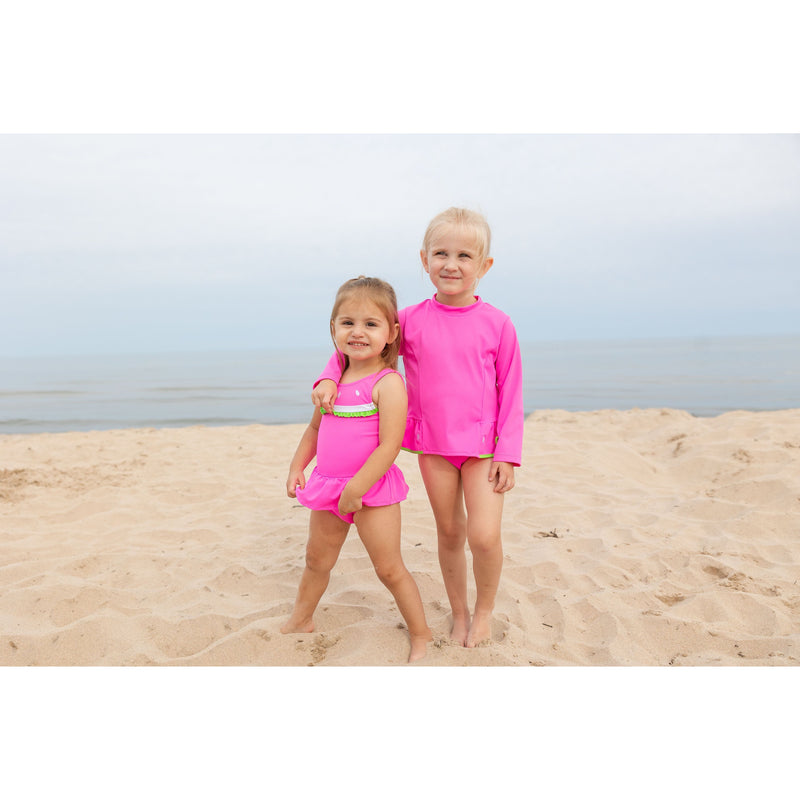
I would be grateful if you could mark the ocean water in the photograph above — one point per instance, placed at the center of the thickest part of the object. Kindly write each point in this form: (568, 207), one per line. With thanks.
(705, 376)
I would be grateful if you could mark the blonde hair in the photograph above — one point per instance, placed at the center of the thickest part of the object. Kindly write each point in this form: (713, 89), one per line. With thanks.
(462, 218)
(383, 295)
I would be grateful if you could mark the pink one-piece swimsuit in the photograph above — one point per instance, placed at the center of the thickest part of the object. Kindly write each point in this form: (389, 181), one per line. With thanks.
(346, 440)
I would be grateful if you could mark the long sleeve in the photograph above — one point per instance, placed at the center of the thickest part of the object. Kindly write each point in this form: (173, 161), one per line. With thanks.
(510, 409)
(332, 371)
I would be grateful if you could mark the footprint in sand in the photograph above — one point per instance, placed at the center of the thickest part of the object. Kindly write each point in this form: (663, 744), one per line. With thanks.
(319, 649)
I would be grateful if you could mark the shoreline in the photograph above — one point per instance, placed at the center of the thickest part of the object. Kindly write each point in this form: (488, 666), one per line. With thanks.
(639, 537)
(206, 425)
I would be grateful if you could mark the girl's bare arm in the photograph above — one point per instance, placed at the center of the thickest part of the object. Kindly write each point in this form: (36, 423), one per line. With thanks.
(305, 452)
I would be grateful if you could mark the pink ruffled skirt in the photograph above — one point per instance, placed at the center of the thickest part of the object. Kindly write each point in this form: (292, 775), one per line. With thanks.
(322, 492)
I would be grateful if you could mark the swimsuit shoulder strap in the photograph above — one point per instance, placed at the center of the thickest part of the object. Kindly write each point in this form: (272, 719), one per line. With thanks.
(363, 407)
(371, 380)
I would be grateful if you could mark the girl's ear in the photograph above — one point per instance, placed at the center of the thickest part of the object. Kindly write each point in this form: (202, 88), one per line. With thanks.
(393, 333)
(424, 256)
(487, 265)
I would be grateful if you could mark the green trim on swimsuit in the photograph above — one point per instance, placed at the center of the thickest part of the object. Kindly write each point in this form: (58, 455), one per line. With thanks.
(422, 453)
(351, 413)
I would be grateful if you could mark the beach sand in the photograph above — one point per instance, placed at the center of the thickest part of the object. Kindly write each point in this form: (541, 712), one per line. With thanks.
(642, 537)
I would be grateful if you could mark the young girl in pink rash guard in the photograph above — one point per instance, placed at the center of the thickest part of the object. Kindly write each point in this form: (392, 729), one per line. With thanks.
(465, 414)
(356, 442)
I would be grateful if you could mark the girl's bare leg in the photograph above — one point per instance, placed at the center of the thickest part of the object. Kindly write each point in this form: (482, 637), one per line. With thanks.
(326, 535)
(443, 485)
(379, 529)
(484, 519)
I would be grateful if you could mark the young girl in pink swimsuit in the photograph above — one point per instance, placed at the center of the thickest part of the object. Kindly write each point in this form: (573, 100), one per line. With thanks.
(356, 442)
(465, 416)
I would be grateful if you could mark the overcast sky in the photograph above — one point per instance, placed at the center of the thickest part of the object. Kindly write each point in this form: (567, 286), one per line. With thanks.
(115, 243)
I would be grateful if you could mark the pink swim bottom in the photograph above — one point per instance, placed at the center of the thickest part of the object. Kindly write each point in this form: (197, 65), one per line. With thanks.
(456, 461)
(459, 461)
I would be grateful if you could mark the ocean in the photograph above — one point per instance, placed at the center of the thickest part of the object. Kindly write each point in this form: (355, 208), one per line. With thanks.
(705, 376)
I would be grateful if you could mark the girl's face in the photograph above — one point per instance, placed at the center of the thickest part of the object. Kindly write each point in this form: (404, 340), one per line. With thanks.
(455, 265)
(361, 331)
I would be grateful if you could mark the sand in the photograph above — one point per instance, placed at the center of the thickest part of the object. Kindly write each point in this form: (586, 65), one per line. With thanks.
(641, 537)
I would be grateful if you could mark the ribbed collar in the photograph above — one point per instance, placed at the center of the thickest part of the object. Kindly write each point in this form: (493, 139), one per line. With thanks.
(456, 309)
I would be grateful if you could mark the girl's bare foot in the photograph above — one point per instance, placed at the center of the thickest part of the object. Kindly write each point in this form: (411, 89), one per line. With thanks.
(297, 626)
(460, 630)
(419, 647)
(480, 631)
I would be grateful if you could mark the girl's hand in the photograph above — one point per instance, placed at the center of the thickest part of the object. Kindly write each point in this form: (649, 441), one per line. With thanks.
(501, 473)
(349, 503)
(295, 481)
(324, 395)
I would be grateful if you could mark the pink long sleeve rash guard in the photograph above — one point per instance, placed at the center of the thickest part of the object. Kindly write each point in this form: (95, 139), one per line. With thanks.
(464, 376)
